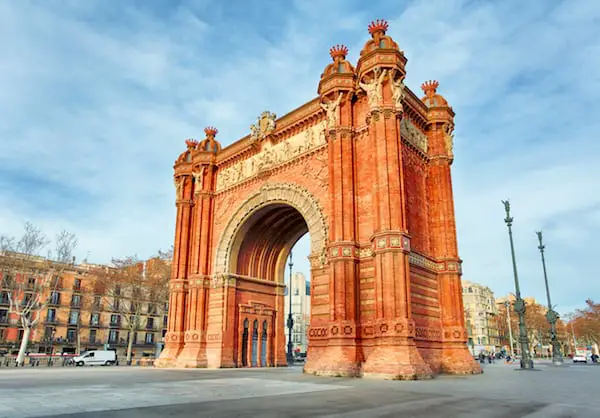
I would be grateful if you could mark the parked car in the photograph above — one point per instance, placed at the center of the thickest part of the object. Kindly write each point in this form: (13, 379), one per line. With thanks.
(96, 358)
(580, 358)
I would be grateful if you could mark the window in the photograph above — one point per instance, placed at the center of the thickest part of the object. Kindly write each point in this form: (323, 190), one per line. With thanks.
(115, 320)
(165, 321)
(31, 282)
(97, 300)
(55, 298)
(3, 316)
(71, 335)
(149, 338)
(77, 284)
(51, 315)
(73, 317)
(150, 323)
(113, 336)
(92, 336)
(95, 319)
(75, 301)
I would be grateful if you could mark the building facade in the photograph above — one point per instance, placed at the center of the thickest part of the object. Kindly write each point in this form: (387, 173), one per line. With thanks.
(481, 318)
(74, 315)
(300, 312)
(364, 168)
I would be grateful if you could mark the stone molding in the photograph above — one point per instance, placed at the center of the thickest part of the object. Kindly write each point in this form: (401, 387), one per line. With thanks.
(290, 194)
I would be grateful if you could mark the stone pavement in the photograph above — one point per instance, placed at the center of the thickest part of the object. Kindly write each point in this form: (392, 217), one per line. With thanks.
(97, 392)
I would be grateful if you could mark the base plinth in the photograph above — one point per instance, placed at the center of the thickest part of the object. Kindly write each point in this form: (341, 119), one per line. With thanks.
(168, 357)
(396, 362)
(334, 361)
(192, 356)
(458, 360)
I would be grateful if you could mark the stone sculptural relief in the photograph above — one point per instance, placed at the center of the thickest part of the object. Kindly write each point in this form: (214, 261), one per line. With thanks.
(272, 155)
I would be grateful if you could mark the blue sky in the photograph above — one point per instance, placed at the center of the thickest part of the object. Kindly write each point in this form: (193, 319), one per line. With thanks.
(97, 98)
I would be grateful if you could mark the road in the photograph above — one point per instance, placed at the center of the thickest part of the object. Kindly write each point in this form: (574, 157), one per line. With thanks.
(95, 392)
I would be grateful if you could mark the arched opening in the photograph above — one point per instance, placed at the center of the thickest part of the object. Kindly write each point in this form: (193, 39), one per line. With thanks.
(265, 240)
(259, 260)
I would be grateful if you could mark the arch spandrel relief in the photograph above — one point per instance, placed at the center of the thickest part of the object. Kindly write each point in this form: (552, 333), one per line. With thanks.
(271, 156)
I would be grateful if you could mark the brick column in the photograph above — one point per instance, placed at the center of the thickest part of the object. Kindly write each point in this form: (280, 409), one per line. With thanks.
(395, 355)
(338, 354)
(194, 351)
(456, 357)
(174, 339)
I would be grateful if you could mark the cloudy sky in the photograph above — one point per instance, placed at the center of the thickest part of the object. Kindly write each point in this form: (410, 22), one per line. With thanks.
(97, 98)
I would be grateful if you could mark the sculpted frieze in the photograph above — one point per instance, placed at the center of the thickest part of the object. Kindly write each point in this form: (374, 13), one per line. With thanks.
(271, 156)
(413, 135)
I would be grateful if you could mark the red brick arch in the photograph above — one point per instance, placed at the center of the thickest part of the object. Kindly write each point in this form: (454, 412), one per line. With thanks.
(271, 194)
(365, 167)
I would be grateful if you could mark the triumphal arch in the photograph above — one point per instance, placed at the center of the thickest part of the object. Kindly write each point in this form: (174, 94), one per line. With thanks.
(364, 167)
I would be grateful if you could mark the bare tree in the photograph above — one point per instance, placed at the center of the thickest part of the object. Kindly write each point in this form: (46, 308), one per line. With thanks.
(132, 288)
(28, 279)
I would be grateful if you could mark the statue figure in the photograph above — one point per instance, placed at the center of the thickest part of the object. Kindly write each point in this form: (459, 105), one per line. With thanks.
(178, 187)
(331, 110)
(239, 172)
(198, 179)
(398, 92)
(374, 87)
(449, 138)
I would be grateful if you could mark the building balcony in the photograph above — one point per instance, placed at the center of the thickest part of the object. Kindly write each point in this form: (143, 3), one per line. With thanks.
(115, 324)
(76, 305)
(51, 321)
(95, 324)
(54, 302)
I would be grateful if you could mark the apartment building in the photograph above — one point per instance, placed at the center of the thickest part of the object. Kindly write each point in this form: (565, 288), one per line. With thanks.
(481, 317)
(300, 312)
(74, 315)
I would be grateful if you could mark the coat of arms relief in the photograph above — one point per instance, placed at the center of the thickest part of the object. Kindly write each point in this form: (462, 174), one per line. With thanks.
(264, 126)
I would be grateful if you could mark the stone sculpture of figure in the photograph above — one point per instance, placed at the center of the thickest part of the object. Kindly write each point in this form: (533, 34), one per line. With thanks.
(449, 138)
(374, 87)
(254, 132)
(398, 92)
(178, 187)
(331, 110)
(198, 179)
(239, 171)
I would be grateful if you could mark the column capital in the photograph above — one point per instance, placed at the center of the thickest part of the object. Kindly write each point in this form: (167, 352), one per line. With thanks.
(391, 240)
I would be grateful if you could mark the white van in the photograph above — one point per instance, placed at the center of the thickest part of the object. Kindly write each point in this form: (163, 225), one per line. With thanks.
(96, 358)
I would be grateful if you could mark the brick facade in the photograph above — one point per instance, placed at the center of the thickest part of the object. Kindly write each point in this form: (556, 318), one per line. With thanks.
(365, 169)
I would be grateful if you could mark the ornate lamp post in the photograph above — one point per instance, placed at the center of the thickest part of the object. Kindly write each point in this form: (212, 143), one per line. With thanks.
(519, 306)
(551, 315)
(290, 320)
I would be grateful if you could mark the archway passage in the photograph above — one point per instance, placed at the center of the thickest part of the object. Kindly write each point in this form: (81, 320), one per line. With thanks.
(270, 232)
(258, 258)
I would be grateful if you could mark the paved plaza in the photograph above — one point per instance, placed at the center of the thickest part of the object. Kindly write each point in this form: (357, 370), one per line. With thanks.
(501, 391)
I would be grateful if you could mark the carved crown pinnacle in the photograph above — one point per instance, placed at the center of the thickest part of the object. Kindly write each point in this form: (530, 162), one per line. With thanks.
(210, 131)
(191, 143)
(378, 25)
(338, 51)
(430, 87)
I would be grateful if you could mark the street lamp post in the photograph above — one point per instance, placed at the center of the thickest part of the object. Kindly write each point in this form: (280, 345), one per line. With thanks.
(519, 306)
(551, 315)
(510, 336)
(290, 320)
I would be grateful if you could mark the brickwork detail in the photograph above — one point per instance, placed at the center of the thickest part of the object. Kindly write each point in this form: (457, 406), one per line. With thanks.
(365, 169)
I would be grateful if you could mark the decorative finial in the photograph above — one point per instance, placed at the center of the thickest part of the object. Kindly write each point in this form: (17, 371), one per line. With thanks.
(210, 131)
(377, 26)
(430, 87)
(191, 143)
(338, 51)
